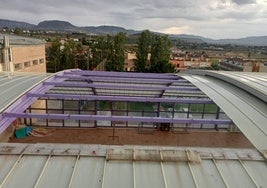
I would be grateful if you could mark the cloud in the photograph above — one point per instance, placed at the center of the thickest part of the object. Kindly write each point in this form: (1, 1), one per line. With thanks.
(177, 30)
(215, 18)
(244, 2)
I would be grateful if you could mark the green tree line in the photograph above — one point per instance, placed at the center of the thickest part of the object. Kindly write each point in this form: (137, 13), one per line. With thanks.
(152, 53)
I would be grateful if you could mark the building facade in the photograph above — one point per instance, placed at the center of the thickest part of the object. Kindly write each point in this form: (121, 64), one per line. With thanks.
(19, 54)
(243, 65)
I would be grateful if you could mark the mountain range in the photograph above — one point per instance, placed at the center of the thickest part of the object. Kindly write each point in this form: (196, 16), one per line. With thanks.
(64, 26)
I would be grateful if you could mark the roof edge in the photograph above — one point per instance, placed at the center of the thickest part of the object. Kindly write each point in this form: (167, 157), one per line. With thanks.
(232, 81)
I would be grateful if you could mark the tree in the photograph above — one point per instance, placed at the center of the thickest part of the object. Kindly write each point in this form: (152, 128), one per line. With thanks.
(98, 51)
(249, 55)
(18, 31)
(160, 55)
(81, 58)
(215, 64)
(115, 58)
(158, 48)
(68, 56)
(141, 62)
(54, 56)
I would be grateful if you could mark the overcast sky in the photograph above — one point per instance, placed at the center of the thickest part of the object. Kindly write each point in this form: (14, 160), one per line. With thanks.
(208, 18)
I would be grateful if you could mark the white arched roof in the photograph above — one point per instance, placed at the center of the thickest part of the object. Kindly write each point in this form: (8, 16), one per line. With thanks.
(242, 96)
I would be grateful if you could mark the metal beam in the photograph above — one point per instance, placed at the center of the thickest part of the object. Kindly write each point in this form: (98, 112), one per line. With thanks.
(120, 98)
(163, 91)
(93, 89)
(124, 74)
(118, 118)
(24, 102)
(120, 79)
(116, 86)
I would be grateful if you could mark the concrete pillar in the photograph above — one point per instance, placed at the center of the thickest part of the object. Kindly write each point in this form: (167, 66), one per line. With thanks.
(7, 56)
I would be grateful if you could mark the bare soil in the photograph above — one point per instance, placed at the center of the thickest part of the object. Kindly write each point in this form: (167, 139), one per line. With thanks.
(124, 136)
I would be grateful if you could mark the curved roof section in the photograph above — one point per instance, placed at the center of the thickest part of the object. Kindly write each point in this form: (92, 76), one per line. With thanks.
(233, 93)
(253, 83)
(14, 85)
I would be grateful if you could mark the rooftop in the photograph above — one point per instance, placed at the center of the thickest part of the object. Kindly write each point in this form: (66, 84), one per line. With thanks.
(123, 110)
(64, 165)
(18, 40)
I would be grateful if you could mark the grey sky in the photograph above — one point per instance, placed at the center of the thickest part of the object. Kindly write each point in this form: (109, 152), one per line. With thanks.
(208, 18)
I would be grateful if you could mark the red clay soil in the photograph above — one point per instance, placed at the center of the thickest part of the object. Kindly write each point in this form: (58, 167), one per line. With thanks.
(124, 136)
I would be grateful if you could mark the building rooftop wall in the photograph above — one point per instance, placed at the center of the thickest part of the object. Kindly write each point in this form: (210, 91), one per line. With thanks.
(18, 40)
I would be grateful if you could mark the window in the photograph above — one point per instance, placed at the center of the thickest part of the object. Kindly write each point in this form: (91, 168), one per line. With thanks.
(35, 62)
(41, 61)
(27, 64)
(18, 66)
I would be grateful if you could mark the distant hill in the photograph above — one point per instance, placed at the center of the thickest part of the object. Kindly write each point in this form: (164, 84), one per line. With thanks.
(64, 26)
(15, 24)
(247, 41)
(250, 41)
(105, 29)
(56, 25)
(189, 38)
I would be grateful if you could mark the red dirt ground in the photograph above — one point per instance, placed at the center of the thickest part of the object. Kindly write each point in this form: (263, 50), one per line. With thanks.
(124, 136)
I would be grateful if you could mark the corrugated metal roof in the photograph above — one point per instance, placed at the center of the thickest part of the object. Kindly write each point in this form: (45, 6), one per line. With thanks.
(254, 83)
(16, 84)
(248, 112)
(49, 165)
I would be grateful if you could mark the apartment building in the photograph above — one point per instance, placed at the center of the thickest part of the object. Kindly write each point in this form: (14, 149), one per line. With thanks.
(244, 65)
(20, 54)
(190, 60)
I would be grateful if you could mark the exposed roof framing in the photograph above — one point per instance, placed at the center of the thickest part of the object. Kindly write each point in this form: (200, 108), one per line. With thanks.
(121, 79)
(120, 118)
(121, 98)
(112, 86)
(231, 92)
(118, 86)
(125, 74)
